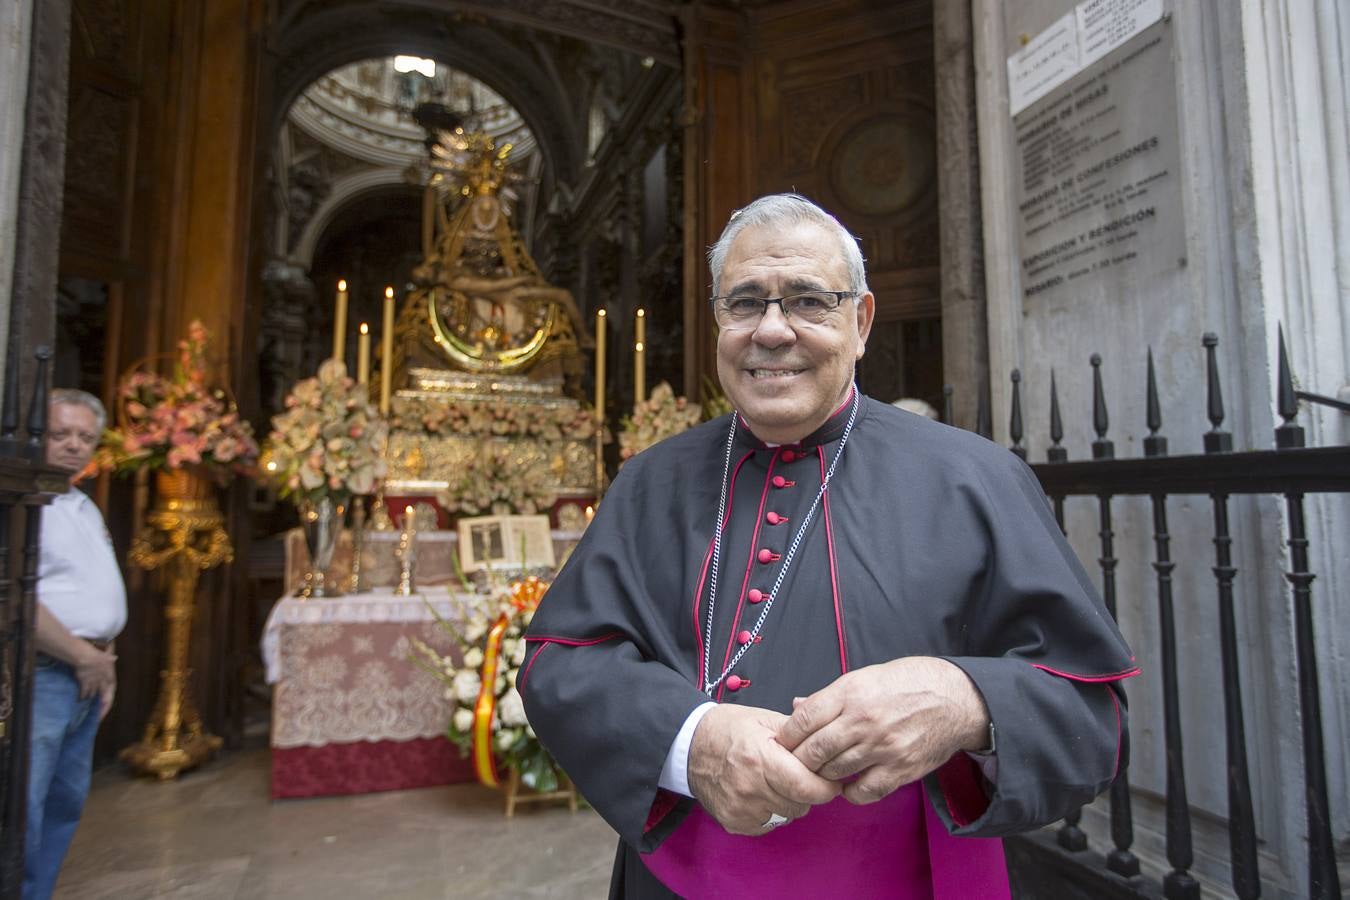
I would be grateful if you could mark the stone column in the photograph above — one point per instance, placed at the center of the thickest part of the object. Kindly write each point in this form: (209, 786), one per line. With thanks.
(965, 334)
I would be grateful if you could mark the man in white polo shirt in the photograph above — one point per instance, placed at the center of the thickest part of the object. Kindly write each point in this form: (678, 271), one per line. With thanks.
(81, 607)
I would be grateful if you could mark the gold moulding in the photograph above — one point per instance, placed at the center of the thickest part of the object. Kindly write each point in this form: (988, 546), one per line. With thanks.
(427, 461)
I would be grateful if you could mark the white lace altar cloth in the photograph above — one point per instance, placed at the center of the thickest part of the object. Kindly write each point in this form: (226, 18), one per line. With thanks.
(343, 669)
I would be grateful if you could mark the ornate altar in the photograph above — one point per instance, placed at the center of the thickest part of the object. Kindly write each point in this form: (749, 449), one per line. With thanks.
(484, 352)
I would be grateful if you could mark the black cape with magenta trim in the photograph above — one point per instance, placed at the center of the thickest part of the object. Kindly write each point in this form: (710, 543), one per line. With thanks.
(929, 541)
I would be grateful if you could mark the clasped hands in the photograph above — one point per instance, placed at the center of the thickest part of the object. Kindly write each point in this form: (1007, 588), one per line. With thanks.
(888, 724)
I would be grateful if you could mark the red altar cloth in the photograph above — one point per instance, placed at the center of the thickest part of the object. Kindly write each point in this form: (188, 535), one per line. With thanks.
(363, 767)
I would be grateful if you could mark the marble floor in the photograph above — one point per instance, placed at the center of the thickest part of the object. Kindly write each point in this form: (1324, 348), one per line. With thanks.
(214, 833)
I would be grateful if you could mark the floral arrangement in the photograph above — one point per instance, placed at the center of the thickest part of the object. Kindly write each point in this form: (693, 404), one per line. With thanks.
(715, 403)
(488, 721)
(491, 418)
(176, 421)
(660, 416)
(502, 478)
(329, 441)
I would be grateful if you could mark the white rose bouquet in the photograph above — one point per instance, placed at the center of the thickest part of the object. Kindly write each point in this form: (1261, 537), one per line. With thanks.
(488, 721)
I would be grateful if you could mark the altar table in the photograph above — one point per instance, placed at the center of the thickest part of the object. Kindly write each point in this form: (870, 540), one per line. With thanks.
(351, 712)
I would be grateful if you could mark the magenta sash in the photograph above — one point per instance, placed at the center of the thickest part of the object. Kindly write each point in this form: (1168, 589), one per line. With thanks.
(895, 848)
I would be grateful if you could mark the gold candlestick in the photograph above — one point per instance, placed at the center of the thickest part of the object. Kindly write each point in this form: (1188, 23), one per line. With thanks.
(184, 533)
(357, 583)
(407, 555)
(379, 514)
(340, 323)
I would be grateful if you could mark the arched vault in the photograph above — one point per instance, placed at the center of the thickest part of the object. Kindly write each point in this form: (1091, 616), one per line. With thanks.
(483, 40)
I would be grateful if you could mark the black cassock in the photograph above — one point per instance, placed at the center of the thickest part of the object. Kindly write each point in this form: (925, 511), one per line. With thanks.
(929, 541)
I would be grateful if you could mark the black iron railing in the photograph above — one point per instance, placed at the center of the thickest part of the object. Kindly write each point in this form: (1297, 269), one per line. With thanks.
(26, 484)
(1292, 471)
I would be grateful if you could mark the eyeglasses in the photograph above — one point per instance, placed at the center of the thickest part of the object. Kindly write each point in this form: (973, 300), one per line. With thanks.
(811, 307)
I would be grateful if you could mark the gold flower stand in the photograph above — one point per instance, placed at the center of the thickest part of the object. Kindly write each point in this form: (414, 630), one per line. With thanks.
(184, 535)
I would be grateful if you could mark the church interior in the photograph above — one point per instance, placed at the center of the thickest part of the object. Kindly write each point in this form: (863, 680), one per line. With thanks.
(495, 216)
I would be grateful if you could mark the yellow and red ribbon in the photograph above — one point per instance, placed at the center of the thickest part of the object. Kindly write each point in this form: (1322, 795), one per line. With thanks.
(525, 596)
(483, 759)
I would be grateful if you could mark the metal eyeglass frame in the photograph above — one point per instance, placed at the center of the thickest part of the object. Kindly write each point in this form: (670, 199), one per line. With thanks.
(764, 302)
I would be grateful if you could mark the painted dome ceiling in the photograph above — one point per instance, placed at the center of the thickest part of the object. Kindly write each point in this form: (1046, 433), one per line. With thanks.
(365, 110)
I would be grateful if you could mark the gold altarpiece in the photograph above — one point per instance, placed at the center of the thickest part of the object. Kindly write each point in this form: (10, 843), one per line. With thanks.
(483, 348)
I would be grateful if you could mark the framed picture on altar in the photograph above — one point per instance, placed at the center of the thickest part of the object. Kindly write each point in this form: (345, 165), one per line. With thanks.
(505, 542)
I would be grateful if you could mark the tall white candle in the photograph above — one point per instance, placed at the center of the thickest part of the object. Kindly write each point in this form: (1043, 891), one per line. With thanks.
(600, 323)
(387, 352)
(363, 355)
(640, 357)
(340, 323)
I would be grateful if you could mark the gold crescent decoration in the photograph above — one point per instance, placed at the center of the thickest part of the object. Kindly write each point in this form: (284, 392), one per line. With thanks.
(477, 356)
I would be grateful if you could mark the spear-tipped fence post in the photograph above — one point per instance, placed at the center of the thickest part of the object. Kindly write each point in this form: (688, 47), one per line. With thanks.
(1241, 817)
(1178, 884)
(1216, 440)
(1323, 878)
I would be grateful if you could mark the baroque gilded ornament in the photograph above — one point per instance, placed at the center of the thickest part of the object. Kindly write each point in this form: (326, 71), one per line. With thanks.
(488, 306)
(184, 535)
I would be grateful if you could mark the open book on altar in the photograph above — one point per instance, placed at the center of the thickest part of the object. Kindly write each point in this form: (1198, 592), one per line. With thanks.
(505, 542)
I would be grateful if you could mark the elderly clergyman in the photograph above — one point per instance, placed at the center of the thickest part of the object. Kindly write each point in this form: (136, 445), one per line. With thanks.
(820, 646)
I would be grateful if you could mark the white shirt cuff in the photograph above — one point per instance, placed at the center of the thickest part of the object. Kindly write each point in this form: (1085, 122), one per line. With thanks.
(675, 772)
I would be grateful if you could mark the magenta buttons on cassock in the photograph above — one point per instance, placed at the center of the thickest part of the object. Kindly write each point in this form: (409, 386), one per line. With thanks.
(754, 595)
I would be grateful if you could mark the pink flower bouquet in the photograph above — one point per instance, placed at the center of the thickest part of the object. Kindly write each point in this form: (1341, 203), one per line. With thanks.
(177, 421)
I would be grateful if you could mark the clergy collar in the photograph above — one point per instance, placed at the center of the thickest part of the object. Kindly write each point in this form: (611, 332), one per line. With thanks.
(830, 431)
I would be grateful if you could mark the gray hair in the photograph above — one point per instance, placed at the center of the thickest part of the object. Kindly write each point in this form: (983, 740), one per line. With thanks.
(75, 397)
(788, 209)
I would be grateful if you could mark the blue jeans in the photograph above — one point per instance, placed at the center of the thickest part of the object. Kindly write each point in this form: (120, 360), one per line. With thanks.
(58, 772)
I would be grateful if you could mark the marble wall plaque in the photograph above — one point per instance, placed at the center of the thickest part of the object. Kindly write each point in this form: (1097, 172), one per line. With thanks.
(1099, 201)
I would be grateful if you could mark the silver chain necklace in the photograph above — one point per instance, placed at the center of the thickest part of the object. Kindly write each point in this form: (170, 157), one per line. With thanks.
(710, 686)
